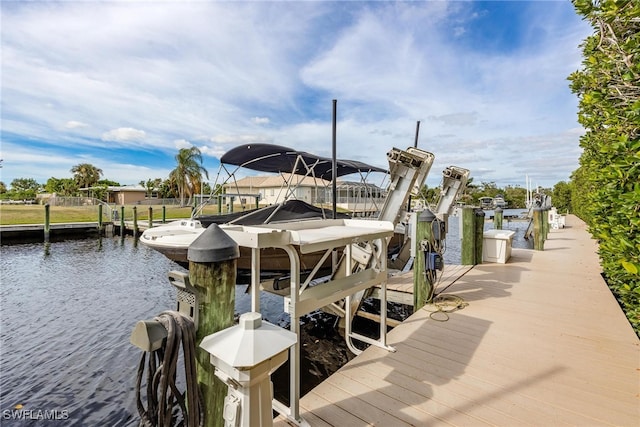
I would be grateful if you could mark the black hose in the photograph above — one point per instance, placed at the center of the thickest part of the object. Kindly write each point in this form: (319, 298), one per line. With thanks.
(165, 402)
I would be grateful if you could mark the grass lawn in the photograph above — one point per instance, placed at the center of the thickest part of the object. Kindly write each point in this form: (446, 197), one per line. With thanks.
(34, 214)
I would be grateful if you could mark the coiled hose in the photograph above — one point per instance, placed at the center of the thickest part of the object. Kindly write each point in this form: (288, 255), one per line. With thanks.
(164, 399)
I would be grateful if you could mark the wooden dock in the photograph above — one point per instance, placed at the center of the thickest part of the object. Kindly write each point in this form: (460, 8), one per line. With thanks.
(542, 342)
(21, 231)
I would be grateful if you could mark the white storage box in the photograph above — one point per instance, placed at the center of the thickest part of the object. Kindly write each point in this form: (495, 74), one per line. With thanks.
(496, 245)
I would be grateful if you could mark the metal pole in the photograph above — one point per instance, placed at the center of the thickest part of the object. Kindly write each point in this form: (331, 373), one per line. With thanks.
(334, 165)
(415, 145)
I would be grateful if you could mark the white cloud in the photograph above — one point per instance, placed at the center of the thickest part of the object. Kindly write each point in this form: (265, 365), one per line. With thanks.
(196, 71)
(216, 151)
(123, 135)
(72, 124)
(260, 120)
(240, 139)
(182, 143)
(457, 119)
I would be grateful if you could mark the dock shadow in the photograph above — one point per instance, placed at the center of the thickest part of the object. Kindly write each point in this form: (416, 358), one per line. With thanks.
(409, 386)
(489, 280)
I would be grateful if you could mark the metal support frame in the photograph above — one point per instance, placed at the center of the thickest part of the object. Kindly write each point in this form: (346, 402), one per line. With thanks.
(312, 236)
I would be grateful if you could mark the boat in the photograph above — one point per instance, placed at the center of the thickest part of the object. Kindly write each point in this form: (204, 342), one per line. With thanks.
(499, 202)
(173, 239)
(486, 202)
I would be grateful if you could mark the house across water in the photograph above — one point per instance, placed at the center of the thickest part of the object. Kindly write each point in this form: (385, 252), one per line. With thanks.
(355, 197)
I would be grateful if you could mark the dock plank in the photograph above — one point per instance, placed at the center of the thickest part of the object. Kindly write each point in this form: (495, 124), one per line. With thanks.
(542, 342)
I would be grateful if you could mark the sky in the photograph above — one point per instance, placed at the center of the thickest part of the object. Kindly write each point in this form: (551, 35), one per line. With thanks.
(124, 85)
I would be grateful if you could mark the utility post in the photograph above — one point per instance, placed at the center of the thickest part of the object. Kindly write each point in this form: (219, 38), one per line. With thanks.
(422, 268)
(212, 271)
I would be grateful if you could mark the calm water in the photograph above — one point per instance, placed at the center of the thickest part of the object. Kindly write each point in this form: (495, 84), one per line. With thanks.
(66, 315)
(67, 311)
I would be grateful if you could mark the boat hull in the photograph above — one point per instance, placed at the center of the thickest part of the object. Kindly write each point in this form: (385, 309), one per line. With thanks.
(173, 240)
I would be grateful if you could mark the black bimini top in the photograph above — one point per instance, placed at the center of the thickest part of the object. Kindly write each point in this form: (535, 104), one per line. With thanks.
(279, 159)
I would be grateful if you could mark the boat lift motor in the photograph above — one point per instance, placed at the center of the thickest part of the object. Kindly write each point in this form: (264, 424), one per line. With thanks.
(244, 357)
(186, 296)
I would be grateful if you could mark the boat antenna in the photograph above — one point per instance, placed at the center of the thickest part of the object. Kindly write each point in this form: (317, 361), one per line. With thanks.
(334, 165)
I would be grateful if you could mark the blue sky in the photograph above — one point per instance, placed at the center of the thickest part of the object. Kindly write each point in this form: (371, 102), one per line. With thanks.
(124, 85)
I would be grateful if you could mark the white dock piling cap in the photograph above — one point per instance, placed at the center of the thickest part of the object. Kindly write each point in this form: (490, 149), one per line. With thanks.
(249, 343)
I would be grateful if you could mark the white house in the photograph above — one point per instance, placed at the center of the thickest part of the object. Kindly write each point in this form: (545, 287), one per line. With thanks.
(352, 196)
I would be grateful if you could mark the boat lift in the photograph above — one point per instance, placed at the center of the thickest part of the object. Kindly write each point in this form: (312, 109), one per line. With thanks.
(303, 237)
(364, 245)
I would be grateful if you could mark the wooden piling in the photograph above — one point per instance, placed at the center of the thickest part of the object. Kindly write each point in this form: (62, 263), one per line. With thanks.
(47, 222)
(150, 217)
(422, 280)
(497, 218)
(164, 214)
(545, 223)
(135, 221)
(99, 219)
(122, 221)
(468, 244)
(538, 230)
(478, 215)
(212, 271)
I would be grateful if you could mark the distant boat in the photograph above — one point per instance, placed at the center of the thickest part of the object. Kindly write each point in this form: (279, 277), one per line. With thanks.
(486, 202)
(498, 202)
(492, 202)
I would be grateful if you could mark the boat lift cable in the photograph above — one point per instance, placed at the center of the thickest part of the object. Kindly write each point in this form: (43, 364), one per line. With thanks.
(443, 304)
(164, 399)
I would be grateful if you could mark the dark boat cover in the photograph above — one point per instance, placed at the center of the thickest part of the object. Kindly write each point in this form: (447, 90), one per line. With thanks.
(278, 159)
(290, 210)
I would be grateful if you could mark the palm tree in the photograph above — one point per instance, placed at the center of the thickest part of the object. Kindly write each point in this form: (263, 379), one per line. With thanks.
(187, 175)
(86, 174)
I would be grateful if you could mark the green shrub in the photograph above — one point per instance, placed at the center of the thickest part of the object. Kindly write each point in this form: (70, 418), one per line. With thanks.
(606, 186)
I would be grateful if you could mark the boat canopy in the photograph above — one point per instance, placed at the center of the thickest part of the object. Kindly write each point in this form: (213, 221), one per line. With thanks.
(279, 159)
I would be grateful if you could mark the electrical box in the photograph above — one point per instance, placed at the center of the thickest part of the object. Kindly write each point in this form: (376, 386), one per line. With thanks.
(187, 295)
(434, 261)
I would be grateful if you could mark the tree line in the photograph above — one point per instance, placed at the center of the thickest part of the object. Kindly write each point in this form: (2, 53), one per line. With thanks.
(183, 182)
(514, 196)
